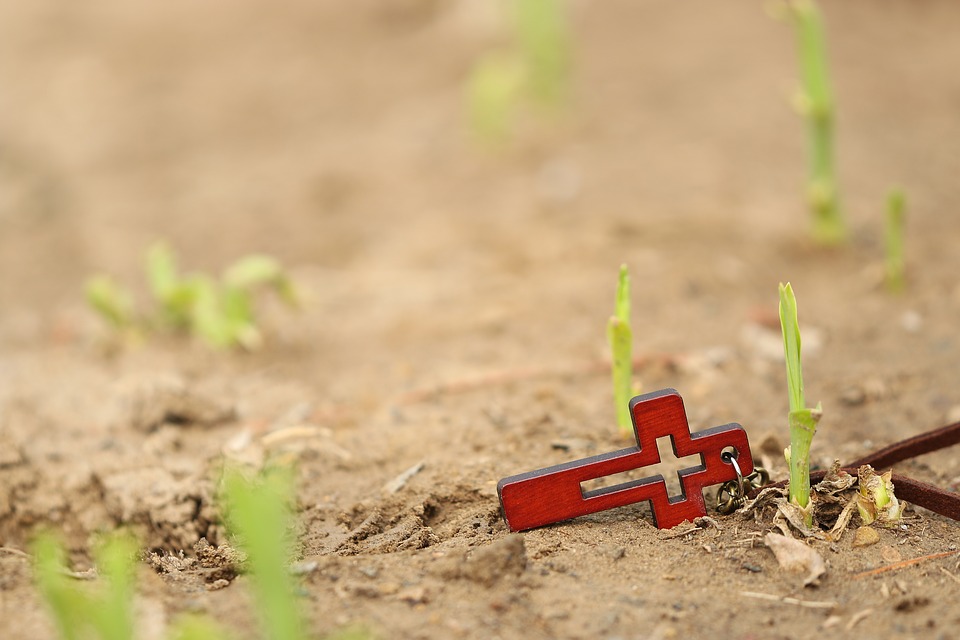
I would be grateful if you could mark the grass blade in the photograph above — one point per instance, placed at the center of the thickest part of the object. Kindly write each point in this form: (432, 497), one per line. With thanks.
(259, 515)
(816, 104)
(895, 262)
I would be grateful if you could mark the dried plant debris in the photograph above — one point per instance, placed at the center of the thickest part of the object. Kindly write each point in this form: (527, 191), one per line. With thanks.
(831, 509)
(796, 556)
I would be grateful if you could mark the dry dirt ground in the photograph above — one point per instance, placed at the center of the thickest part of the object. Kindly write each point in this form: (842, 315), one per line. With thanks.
(455, 302)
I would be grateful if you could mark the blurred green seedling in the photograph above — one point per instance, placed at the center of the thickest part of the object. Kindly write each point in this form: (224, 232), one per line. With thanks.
(221, 312)
(815, 102)
(894, 232)
(111, 302)
(259, 515)
(80, 610)
(102, 610)
(801, 419)
(196, 627)
(533, 67)
(543, 38)
(620, 337)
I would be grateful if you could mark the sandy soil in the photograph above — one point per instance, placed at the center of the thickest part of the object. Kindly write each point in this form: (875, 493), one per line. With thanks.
(456, 301)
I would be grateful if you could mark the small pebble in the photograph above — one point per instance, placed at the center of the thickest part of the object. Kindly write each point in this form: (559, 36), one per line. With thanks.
(911, 321)
(771, 445)
(216, 585)
(890, 554)
(303, 567)
(853, 396)
(413, 595)
(865, 537)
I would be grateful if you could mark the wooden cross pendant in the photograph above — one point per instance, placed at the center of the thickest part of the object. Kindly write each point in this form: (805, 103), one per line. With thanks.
(546, 496)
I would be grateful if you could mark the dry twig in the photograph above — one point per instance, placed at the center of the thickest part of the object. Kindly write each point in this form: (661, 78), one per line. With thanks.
(904, 563)
(950, 575)
(809, 604)
(15, 552)
(857, 617)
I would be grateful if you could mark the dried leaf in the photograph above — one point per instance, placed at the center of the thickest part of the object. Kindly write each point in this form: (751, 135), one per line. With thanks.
(794, 555)
(835, 481)
(796, 516)
(842, 521)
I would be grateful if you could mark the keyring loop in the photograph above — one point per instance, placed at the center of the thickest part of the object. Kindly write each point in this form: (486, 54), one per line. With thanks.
(732, 459)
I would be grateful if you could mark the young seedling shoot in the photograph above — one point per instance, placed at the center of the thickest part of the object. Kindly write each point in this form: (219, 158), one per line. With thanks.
(620, 337)
(218, 311)
(110, 302)
(895, 263)
(541, 31)
(802, 420)
(104, 610)
(533, 67)
(876, 500)
(259, 515)
(493, 93)
(815, 103)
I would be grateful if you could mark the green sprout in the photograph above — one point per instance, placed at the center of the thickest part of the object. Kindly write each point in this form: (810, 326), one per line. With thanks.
(196, 627)
(534, 67)
(895, 263)
(111, 302)
(876, 500)
(620, 338)
(802, 420)
(79, 611)
(220, 312)
(541, 31)
(493, 92)
(815, 103)
(259, 515)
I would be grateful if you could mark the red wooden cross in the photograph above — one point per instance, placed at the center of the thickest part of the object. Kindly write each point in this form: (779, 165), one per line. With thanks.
(546, 496)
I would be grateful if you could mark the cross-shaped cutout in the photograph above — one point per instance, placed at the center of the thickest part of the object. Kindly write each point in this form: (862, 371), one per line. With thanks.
(668, 468)
(558, 493)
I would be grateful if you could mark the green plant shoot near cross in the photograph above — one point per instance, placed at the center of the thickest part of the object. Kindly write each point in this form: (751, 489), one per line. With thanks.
(802, 420)
(620, 337)
(815, 103)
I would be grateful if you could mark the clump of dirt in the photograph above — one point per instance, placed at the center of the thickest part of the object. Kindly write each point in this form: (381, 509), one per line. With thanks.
(213, 566)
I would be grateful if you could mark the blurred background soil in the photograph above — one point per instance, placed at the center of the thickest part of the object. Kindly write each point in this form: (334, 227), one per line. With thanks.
(455, 299)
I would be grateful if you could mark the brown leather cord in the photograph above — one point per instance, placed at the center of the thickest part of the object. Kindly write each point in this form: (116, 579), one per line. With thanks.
(924, 494)
(912, 447)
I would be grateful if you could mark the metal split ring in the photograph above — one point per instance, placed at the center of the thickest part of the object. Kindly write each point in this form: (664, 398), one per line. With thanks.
(736, 490)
